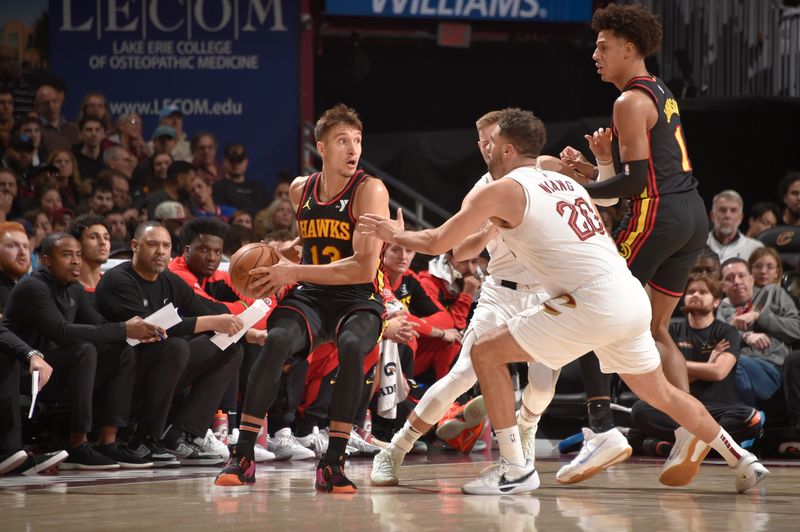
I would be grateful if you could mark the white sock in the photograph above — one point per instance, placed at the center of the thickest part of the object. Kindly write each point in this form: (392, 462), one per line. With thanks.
(727, 448)
(526, 420)
(510, 446)
(403, 441)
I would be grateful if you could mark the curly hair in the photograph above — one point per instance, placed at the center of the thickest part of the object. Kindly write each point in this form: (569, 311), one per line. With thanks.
(631, 22)
(523, 130)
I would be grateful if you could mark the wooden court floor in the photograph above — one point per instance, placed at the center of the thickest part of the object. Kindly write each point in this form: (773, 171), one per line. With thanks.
(626, 498)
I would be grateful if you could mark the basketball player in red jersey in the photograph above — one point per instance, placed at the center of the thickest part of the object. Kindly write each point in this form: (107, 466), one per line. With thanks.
(334, 295)
(644, 158)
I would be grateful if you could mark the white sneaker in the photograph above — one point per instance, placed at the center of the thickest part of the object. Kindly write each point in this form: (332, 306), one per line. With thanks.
(599, 451)
(684, 460)
(286, 438)
(493, 480)
(384, 469)
(420, 447)
(527, 437)
(749, 472)
(356, 446)
(317, 441)
(211, 444)
(262, 455)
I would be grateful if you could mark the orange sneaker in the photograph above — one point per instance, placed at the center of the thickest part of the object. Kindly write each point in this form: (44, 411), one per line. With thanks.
(461, 426)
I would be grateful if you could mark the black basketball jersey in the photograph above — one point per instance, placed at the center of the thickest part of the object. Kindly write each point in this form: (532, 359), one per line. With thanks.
(327, 227)
(670, 171)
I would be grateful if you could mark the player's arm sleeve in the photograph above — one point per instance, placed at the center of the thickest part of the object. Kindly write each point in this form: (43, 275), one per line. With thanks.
(622, 185)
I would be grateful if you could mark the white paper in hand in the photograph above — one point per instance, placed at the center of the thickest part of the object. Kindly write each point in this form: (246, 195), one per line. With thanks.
(34, 391)
(165, 317)
(250, 316)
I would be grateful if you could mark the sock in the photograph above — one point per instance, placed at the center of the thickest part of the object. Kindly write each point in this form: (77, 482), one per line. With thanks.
(337, 445)
(510, 446)
(727, 447)
(403, 441)
(526, 419)
(600, 417)
(233, 421)
(248, 433)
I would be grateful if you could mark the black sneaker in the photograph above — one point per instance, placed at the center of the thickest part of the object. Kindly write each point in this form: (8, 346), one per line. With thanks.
(153, 451)
(124, 456)
(191, 454)
(240, 471)
(39, 463)
(11, 459)
(86, 457)
(331, 478)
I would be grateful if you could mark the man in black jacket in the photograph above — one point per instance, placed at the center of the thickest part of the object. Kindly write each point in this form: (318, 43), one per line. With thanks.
(50, 311)
(184, 361)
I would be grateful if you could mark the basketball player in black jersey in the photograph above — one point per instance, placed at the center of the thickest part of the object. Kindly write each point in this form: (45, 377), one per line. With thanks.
(333, 295)
(646, 161)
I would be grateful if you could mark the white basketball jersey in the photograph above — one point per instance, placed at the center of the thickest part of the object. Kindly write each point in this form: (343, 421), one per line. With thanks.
(561, 238)
(503, 266)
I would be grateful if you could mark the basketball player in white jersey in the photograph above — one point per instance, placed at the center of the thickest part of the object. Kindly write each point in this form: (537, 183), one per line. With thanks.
(508, 290)
(548, 223)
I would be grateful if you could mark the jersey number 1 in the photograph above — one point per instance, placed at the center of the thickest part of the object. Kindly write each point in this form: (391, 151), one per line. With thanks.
(685, 164)
(329, 251)
(583, 219)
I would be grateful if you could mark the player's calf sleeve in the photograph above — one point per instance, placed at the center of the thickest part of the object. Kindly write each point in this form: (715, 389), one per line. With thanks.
(540, 389)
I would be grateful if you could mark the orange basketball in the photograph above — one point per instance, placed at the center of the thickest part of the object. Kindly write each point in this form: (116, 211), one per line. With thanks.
(248, 257)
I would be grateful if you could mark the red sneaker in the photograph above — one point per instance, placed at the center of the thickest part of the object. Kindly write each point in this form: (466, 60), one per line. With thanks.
(462, 426)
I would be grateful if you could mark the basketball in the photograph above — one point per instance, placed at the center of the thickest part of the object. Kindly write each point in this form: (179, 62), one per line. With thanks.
(245, 259)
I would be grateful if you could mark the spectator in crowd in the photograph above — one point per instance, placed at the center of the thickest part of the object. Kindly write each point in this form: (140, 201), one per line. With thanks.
(725, 238)
(237, 237)
(31, 127)
(88, 153)
(94, 104)
(48, 199)
(129, 136)
(171, 116)
(172, 215)
(279, 215)
(57, 132)
(18, 157)
(180, 175)
(711, 349)
(119, 159)
(15, 258)
(117, 226)
(120, 188)
(282, 187)
(242, 218)
(95, 239)
(102, 198)
(789, 188)
(70, 184)
(14, 355)
(766, 267)
(185, 360)
(144, 175)
(203, 203)
(41, 226)
(61, 219)
(49, 311)
(769, 323)
(6, 115)
(9, 207)
(763, 216)
(234, 189)
(708, 263)
(204, 152)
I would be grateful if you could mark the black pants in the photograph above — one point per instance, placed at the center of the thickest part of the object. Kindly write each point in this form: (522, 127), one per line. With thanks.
(10, 424)
(194, 371)
(80, 368)
(734, 418)
(791, 386)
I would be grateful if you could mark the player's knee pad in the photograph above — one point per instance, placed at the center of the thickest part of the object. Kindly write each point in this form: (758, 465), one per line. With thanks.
(541, 387)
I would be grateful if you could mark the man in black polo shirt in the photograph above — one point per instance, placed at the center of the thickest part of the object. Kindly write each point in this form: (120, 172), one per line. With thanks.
(50, 311)
(711, 349)
(185, 360)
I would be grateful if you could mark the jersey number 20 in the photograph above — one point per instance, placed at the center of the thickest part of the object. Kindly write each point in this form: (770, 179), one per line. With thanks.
(583, 219)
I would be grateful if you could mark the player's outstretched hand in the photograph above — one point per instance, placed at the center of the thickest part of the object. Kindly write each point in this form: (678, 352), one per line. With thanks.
(380, 227)
(600, 144)
(266, 280)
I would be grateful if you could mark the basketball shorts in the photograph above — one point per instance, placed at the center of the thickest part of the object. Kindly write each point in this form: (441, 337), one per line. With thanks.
(609, 315)
(660, 238)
